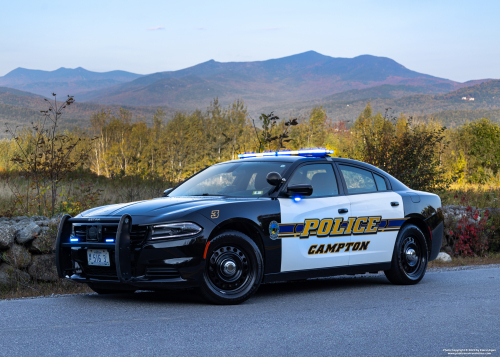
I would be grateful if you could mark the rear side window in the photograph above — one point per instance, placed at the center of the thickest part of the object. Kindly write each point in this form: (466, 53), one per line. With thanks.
(381, 185)
(358, 180)
(319, 176)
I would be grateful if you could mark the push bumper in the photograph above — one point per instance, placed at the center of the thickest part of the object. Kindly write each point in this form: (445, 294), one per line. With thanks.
(152, 265)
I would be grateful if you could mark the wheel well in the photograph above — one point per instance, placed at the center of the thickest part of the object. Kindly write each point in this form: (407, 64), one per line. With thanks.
(246, 227)
(420, 223)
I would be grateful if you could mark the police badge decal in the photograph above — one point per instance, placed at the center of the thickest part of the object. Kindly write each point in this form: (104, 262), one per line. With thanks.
(274, 229)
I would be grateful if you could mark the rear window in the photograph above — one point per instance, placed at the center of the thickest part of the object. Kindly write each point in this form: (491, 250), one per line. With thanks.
(358, 180)
(381, 185)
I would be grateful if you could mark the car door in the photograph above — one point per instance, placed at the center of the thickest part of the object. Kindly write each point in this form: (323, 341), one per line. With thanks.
(379, 211)
(306, 222)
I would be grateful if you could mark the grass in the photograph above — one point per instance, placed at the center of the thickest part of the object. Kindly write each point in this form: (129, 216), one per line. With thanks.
(492, 258)
(44, 289)
(85, 190)
(480, 196)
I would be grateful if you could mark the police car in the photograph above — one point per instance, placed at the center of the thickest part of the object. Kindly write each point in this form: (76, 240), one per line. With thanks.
(266, 217)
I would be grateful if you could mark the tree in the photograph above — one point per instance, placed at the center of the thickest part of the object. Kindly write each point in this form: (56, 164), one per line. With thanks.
(479, 141)
(410, 152)
(45, 157)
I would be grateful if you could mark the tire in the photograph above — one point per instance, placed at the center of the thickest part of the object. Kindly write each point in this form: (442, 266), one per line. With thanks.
(233, 269)
(104, 291)
(410, 257)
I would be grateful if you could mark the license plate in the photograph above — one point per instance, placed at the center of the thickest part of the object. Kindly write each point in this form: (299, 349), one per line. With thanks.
(98, 257)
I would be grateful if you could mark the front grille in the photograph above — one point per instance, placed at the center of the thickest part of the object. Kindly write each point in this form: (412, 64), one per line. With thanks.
(138, 234)
(80, 232)
(99, 233)
(162, 273)
(100, 271)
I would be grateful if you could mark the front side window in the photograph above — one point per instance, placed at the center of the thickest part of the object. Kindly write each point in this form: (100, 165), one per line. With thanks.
(358, 180)
(319, 176)
(240, 179)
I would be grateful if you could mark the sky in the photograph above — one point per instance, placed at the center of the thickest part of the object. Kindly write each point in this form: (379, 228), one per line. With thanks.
(458, 40)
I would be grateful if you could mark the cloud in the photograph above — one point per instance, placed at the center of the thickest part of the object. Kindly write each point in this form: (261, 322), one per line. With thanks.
(273, 28)
(156, 28)
(200, 28)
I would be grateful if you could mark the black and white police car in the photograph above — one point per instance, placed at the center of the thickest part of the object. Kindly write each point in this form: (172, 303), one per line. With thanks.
(265, 217)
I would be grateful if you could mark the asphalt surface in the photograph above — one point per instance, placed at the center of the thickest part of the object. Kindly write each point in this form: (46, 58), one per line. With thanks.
(343, 316)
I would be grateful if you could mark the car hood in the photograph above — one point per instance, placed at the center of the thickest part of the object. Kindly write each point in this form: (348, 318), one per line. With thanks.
(160, 206)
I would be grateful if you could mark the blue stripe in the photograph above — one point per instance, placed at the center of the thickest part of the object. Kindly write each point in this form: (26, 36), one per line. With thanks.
(395, 223)
(288, 228)
(299, 228)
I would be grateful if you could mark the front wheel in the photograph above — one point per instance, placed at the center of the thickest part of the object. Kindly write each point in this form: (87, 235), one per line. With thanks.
(233, 269)
(410, 256)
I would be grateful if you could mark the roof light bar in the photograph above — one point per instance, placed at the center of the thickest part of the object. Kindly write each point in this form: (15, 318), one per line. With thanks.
(319, 152)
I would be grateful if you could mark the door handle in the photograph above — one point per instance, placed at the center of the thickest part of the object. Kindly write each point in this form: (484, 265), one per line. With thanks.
(394, 204)
(343, 210)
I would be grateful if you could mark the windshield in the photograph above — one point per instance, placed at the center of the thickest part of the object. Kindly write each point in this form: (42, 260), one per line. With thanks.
(241, 179)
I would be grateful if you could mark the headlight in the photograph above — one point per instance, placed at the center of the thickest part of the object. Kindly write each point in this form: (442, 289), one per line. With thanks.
(174, 230)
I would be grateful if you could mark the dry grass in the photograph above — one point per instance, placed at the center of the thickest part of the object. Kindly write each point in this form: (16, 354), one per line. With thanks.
(117, 190)
(480, 196)
(492, 258)
(44, 289)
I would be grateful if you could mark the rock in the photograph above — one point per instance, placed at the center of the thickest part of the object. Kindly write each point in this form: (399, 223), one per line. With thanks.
(44, 267)
(7, 236)
(447, 249)
(55, 221)
(42, 244)
(42, 223)
(4, 219)
(27, 233)
(10, 275)
(18, 257)
(39, 218)
(443, 257)
(20, 218)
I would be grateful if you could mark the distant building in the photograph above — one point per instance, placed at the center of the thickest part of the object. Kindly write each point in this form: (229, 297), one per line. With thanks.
(471, 99)
(464, 98)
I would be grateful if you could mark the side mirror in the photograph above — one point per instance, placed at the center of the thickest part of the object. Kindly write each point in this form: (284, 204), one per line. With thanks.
(167, 191)
(303, 190)
(273, 178)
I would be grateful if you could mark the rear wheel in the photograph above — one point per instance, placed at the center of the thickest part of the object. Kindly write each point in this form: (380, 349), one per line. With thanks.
(103, 291)
(233, 269)
(410, 257)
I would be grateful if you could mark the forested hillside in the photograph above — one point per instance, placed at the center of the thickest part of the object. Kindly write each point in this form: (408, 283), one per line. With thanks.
(19, 110)
(486, 98)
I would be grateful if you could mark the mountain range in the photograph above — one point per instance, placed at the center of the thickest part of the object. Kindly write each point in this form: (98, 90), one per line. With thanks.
(288, 85)
(63, 80)
(305, 76)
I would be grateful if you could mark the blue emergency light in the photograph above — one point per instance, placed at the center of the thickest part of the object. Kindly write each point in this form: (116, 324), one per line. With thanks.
(319, 152)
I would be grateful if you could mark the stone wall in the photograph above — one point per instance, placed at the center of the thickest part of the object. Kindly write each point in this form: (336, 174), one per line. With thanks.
(27, 246)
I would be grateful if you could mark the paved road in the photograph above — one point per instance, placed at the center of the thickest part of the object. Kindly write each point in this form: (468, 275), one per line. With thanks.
(356, 316)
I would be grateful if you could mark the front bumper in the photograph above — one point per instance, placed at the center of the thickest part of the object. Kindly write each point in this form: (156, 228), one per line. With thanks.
(167, 264)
